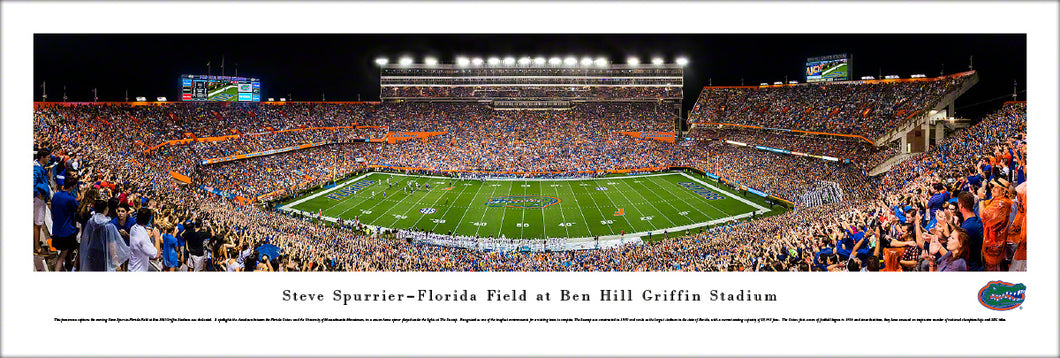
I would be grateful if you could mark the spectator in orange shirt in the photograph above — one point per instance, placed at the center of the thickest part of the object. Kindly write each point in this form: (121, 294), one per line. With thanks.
(994, 212)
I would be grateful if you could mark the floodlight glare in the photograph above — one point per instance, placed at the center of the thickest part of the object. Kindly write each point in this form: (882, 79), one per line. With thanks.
(462, 61)
(493, 61)
(508, 61)
(405, 61)
(430, 61)
(586, 61)
(476, 61)
(555, 61)
(633, 61)
(570, 61)
(657, 61)
(539, 61)
(381, 61)
(525, 61)
(601, 62)
(682, 61)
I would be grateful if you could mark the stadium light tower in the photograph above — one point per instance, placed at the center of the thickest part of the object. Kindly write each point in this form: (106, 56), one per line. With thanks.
(462, 61)
(600, 62)
(508, 61)
(570, 61)
(682, 61)
(493, 61)
(477, 61)
(430, 61)
(525, 61)
(586, 61)
(405, 61)
(539, 61)
(657, 61)
(632, 61)
(382, 61)
(555, 61)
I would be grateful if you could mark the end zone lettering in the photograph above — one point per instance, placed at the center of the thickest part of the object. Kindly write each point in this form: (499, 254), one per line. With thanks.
(344, 192)
(699, 189)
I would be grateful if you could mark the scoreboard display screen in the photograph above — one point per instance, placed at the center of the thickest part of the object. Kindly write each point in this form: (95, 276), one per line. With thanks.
(205, 88)
(828, 68)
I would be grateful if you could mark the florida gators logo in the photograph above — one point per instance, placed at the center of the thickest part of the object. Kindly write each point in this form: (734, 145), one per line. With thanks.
(1001, 295)
(522, 201)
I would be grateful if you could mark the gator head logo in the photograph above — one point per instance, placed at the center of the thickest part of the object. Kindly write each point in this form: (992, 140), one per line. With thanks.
(1001, 295)
(522, 201)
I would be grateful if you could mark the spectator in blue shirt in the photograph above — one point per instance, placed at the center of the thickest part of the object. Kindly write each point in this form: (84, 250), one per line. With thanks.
(124, 221)
(938, 199)
(974, 226)
(42, 193)
(64, 232)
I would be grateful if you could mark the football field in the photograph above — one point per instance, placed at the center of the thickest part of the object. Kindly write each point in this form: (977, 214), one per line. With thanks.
(227, 93)
(534, 208)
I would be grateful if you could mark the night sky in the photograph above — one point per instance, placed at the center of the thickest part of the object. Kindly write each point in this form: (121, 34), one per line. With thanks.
(342, 65)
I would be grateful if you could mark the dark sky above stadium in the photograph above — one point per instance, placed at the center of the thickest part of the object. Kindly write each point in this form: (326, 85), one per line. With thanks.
(342, 65)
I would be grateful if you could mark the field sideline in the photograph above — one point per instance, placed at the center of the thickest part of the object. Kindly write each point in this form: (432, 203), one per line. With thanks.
(577, 209)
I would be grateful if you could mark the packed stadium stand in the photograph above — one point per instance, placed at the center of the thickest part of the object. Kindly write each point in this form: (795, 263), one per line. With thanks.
(206, 170)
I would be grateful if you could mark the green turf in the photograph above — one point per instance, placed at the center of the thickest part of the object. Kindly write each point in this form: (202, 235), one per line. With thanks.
(650, 203)
(839, 71)
(230, 94)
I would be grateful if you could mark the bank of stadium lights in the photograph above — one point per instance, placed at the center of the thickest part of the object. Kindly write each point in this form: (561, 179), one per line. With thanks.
(793, 82)
(508, 61)
(657, 61)
(462, 61)
(632, 61)
(539, 61)
(382, 61)
(918, 75)
(868, 77)
(405, 61)
(891, 77)
(525, 61)
(586, 61)
(570, 61)
(430, 61)
(477, 61)
(600, 62)
(493, 61)
(555, 61)
(681, 61)
(763, 84)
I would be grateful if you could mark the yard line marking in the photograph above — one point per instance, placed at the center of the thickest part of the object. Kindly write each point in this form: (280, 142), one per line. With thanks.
(561, 214)
(478, 228)
(406, 214)
(358, 205)
(337, 187)
(436, 201)
(461, 220)
(454, 202)
(504, 212)
(660, 213)
(612, 203)
(380, 202)
(595, 205)
(723, 214)
(581, 212)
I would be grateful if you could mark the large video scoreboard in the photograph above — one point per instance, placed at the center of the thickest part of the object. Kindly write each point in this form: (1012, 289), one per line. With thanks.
(828, 68)
(220, 88)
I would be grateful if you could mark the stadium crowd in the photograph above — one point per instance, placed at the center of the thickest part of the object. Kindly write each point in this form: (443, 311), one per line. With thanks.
(960, 206)
(866, 109)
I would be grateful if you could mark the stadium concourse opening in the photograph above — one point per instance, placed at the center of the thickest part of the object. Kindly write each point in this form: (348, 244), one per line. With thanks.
(538, 164)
